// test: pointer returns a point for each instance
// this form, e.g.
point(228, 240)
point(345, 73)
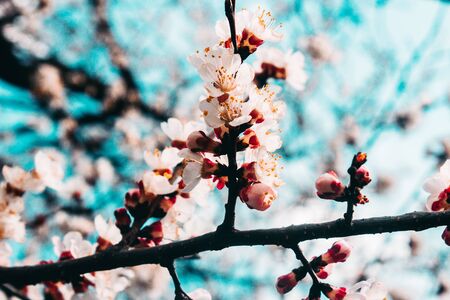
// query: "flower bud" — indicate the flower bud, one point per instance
point(249, 171)
point(258, 196)
point(329, 186)
point(153, 232)
point(339, 252)
point(285, 283)
point(446, 235)
point(198, 141)
point(362, 176)
point(335, 293)
point(123, 220)
point(165, 204)
point(132, 198)
point(209, 168)
point(359, 159)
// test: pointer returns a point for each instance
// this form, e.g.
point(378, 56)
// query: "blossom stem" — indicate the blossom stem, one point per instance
point(179, 293)
point(107, 260)
point(230, 12)
point(233, 189)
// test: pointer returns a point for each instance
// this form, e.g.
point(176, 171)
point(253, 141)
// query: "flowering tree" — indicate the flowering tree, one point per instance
point(231, 147)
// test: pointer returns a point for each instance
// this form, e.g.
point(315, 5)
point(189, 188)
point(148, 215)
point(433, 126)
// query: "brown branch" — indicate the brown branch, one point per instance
point(285, 236)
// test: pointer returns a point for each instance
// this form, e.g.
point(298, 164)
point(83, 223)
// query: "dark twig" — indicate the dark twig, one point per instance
point(11, 292)
point(230, 13)
point(179, 293)
point(300, 256)
point(233, 188)
point(291, 235)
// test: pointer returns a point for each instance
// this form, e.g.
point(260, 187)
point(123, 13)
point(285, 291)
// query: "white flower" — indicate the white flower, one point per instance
point(367, 290)
point(200, 294)
point(222, 71)
point(107, 230)
point(233, 111)
point(49, 166)
point(266, 167)
point(178, 131)
point(11, 227)
point(165, 160)
point(157, 184)
point(73, 242)
point(267, 136)
point(321, 49)
point(10, 203)
point(22, 180)
point(5, 253)
point(439, 188)
point(273, 63)
point(109, 283)
point(74, 187)
point(263, 100)
point(252, 29)
point(105, 170)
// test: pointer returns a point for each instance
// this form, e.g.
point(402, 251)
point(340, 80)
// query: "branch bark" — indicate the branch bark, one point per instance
point(285, 236)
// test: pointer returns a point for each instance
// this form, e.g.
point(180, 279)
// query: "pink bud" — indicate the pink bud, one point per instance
point(258, 196)
point(153, 232)
point(329, 186)
point(198, 141)
point(249, 171)
point(123, 220)
point(209, 168)
point(336, 293)
point(446, 235)
point(285, 283)
point(362, 176)
point(339, 252)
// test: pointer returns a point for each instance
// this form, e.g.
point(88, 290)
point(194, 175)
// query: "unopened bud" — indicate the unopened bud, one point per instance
point(362, 176)
point(339, 252)
point(329, 186)
point(334, 293)
point(153, 232)
point(285, 283)
point(258, 196)
point(123, 220)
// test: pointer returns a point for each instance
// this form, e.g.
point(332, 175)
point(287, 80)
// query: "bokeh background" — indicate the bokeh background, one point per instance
point(95, 78)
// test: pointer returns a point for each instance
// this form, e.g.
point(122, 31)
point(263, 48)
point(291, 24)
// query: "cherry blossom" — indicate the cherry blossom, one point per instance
point(439, 188)
point(367, 290)
point(223, 72)
point(274, 63)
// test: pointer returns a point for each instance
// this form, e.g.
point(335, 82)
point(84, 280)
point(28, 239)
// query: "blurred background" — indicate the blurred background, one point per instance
point(94, 79)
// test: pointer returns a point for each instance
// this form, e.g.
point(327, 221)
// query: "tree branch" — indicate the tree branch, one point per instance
point(416, 221)
point(179, 293)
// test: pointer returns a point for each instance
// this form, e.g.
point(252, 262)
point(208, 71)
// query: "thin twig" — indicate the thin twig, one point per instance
point(11, 292)
point(179, 293)
point(300, 256)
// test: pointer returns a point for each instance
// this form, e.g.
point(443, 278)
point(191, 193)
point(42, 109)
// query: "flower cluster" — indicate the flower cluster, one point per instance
point(321, 265)
point(48, 172)
point(240, 110)
point(329, 186)
point(107, 284)
point(439, 199)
